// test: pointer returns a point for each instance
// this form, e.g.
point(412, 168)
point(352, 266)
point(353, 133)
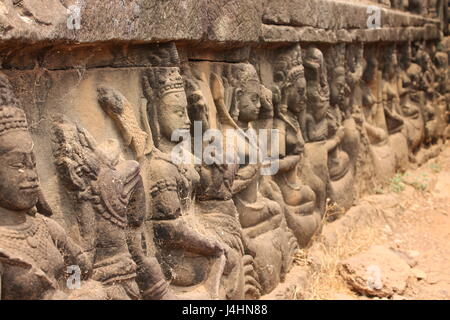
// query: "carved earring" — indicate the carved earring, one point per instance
point(154, 122)
point(276, 95)
point(234, 112)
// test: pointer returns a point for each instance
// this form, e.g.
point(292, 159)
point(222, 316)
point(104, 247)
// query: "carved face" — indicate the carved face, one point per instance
point(296, 95)
point(198, 110)
point(338, 90)
point(19, 185)
point(173, 114)
point(249, 101)
point(314, 64)
point(318, 105)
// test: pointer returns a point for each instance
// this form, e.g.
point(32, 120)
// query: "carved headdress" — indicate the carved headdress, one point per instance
point(162, 79)
point(316, 73)
point(405, 53)
point(165, 80)
point(336, 62)
point(164, 76)
point(227, 83)
point(288, 66)
point(11, 117)
point(237, 78)
point(314, 62)
point(371, 66)
point(389, 58)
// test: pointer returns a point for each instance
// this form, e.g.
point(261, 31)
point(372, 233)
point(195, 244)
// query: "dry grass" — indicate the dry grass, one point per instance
point(324, 263)
point(332, 211)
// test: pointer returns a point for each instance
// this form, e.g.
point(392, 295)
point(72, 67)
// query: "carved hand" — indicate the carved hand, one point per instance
point(340, 133)
point(110, 100)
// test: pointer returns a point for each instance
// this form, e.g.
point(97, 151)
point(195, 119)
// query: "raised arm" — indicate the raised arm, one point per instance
point(245, 177)
point(121, 111)
point(376, 135)
point(150, 277)
point(335, 140)
point(288, 163)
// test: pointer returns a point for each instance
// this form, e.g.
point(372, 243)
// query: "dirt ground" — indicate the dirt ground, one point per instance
point(425, 228)
point(422, 228)
point(419, 224)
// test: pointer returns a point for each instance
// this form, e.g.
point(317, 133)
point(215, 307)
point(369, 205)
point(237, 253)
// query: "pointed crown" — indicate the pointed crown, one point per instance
point(11, 117)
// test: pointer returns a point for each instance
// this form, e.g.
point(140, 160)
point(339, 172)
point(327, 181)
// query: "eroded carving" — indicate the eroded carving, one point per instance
point(108, 193)
point(374, 118)
point(261, 218)
point(303, 208)
point(34, 250)
point(149, 226)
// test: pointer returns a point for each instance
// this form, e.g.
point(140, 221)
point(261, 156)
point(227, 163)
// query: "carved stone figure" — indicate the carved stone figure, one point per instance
point(186, 248)
point(443, 90)
point(442, 74)
point(342, 159)
point(318, 95)
point(136, 160)
point(375, 123)
point(109, 195)
point(316, 125)
point(189, 255)
point(390, 100)
point(354, 66)
point(303, 209)
point(262, 219)
point(34, 250)
point(325, 128)
point(436, 96)
point(214, 206)
point(422, 73)
point(410, 109)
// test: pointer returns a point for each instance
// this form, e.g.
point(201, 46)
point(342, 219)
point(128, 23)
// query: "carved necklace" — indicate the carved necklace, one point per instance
point(290, 185)
point(28, 239)
point(20, 232)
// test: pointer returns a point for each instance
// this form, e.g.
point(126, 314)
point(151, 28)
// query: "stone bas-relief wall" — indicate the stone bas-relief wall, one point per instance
point(87, 180)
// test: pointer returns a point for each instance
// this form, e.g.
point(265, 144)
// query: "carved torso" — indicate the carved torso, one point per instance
point(32, 263)
point(317, 130)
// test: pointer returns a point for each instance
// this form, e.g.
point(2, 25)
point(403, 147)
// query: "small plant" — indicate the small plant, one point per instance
point(420, 183)
point(379, 190)
point(435, 167)
point(419, 186)
point(397, 184)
